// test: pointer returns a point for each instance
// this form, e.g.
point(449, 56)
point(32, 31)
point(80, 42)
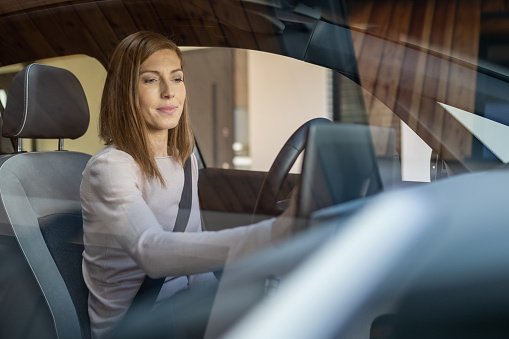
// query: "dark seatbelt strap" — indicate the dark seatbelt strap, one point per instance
point(185, 200)
point(150, 288)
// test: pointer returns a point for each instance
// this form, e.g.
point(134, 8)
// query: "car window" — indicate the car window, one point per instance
point(243, 112)
point(449, 91)
point(245, 104)
point(431, 80)
point(245, 109)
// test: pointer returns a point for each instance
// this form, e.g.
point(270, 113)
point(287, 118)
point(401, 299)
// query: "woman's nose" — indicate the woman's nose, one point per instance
point(167, 91)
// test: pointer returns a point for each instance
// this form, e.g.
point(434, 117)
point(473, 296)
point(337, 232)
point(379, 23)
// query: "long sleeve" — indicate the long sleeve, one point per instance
point(116, 195)
point(128, 222)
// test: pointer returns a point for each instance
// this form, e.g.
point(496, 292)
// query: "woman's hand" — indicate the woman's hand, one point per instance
point(282, 227)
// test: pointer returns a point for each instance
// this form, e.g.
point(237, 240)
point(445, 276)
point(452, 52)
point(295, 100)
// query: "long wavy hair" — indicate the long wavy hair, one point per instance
point(121, 122)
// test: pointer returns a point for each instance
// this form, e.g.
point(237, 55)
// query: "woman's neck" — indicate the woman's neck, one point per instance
point(159, 144)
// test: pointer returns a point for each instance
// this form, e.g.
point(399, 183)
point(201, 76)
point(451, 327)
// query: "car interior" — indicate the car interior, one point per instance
point(42, 208)
point(41, 200)
point(373, 253)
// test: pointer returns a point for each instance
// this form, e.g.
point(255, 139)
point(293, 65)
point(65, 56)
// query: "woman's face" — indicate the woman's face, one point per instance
point(161, 91)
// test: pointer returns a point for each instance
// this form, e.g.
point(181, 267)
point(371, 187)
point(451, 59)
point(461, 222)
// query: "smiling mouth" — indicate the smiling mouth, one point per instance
point(167, 109)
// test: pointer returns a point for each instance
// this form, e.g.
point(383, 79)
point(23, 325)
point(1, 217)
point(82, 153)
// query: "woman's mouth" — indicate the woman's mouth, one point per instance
point(170, 109)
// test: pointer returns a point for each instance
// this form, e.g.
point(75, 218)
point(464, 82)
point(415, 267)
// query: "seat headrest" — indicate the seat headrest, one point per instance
point(45, 102)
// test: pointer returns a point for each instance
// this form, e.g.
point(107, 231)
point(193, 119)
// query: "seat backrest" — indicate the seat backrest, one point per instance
point(39, 191)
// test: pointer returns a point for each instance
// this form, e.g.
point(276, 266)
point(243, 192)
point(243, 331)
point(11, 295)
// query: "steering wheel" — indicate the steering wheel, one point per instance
point(266, 203)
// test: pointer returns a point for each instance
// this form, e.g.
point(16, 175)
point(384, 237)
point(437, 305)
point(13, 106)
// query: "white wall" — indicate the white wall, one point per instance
point(283, 94)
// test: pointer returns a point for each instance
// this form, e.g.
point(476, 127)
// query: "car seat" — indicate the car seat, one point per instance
point(40, 191)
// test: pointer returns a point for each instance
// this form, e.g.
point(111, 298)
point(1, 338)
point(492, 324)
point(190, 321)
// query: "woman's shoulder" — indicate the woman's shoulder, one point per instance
point(110, 152)
point(110, 158)
point(110, 172)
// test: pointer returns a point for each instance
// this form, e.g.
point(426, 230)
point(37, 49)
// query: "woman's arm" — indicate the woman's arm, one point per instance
point(112, 191)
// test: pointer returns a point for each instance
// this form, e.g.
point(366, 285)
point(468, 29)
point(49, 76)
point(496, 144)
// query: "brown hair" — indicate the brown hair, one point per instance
point(121, 122)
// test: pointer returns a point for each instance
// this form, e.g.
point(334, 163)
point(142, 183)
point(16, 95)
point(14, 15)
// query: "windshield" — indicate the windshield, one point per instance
point(421, 85)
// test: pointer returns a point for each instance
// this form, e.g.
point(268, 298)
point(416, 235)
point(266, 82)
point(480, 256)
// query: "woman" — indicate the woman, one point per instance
point(131, 188)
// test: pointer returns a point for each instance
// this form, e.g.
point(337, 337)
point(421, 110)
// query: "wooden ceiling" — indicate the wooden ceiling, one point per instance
point(410, 53)
point(415, 54)
point(36, 29)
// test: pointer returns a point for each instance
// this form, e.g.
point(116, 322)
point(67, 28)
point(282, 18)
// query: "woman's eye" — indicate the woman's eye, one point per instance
point(178, 79)
point(149, 80)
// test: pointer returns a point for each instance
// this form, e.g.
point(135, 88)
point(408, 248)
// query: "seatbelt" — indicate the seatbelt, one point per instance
point(150, 288)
